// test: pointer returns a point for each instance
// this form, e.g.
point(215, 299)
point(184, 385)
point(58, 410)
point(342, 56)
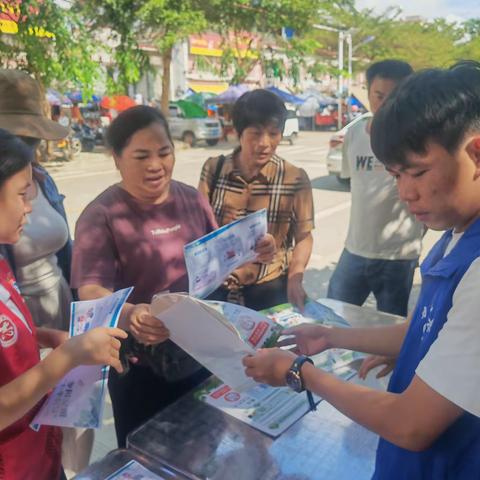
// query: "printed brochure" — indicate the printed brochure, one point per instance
point(211, 258)
point(78, 399)
point(268, 409)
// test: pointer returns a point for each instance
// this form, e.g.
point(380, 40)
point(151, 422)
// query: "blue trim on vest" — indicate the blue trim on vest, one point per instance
point(456, 453)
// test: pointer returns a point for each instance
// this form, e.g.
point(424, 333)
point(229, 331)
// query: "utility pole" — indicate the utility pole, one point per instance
point(349, 80)
point(342, 36)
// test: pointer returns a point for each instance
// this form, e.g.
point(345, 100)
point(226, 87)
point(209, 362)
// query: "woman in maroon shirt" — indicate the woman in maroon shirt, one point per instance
point(133, 234)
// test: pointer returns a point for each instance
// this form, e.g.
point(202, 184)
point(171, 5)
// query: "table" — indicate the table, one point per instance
point(117, 459)
point(204, 443)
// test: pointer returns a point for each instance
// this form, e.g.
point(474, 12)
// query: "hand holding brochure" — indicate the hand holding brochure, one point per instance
point(78, 399)
point(269, 409)
point(206, 335)
point(211, 258)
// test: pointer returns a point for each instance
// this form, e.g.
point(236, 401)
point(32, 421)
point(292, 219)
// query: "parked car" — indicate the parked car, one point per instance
point(190, 130)
point(334, 155)
point(290, 131)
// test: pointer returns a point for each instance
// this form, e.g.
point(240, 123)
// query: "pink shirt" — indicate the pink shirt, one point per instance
point(120, 242)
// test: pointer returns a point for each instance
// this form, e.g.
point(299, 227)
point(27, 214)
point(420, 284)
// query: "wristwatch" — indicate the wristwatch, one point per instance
point(295, 381)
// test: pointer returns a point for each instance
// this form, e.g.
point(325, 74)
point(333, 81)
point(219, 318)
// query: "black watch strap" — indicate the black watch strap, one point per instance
point(297, 367)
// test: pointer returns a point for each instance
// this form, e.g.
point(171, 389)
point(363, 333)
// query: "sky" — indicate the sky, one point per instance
point(453, 10)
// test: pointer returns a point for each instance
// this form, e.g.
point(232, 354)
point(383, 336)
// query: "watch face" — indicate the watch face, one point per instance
point(294, 381)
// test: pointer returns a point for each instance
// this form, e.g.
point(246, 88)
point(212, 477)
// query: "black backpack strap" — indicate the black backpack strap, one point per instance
point(216, 176)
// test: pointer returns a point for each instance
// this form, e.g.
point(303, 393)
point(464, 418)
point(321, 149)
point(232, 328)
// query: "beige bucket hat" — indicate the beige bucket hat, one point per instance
point(21, 103)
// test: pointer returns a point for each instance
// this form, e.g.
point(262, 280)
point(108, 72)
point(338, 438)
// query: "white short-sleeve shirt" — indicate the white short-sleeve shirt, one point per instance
point(381, 226)
point(452, 365)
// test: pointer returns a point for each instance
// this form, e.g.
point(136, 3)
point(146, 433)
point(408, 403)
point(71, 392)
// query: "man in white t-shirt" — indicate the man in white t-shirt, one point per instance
point(427, 134)
point(384, 240)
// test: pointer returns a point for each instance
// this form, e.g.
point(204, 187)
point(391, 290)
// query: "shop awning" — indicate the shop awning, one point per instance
point(215, 88)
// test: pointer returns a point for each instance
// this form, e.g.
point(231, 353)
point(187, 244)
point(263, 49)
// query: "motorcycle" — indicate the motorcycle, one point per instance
point(85, 136)
point(63, 150)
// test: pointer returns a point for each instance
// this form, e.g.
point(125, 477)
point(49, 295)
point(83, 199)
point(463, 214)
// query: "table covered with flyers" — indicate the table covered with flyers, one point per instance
point(216, 433)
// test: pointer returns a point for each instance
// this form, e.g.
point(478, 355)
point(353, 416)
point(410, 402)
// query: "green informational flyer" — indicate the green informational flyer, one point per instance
point(268, 409)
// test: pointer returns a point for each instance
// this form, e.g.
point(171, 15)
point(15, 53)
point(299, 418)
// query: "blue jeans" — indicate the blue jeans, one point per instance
point(390, 281)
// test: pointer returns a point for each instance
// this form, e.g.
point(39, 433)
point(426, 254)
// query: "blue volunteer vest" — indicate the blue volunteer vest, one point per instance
point(455, 454)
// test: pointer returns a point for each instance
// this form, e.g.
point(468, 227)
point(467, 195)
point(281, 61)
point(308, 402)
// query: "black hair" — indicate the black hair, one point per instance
point(131, 121)
point(14, 155)
point(434, 105)
point(258, 108)
point(395, 70)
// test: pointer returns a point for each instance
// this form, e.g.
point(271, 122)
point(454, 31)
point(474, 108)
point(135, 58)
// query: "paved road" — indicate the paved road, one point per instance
point(89, 174)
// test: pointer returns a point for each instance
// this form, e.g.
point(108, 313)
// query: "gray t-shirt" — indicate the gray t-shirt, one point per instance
point(380, 225)
point(44, 234)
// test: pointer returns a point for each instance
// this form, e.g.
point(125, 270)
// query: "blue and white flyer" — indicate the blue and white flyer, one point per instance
point(78, 399)
point(211, 258)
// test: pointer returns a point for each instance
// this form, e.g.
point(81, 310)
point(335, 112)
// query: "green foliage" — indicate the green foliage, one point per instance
point(252, 35)
point(115, 26)
point(51, 43)
point(169, 21)
point(420, 42)
point(62, 45)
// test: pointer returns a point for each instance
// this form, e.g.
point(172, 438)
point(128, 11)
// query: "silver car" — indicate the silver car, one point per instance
point(334, 155)
point(192, 130)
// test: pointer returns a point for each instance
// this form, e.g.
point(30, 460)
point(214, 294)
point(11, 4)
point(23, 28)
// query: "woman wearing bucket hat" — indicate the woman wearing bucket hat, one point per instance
point(41, 258)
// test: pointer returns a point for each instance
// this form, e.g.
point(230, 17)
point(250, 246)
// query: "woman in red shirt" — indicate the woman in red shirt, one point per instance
point(24, 379)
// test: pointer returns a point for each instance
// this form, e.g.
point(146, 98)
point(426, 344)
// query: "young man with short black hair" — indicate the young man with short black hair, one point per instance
point(384, 240)
point(428, 136)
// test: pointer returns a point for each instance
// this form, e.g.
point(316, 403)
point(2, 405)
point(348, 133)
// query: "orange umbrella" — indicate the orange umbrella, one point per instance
point(117, 102)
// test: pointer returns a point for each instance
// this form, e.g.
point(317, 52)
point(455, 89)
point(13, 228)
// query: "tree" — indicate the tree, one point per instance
point(252, 34)
point(423, 43)
point(50, 43)
point(115, 26)
point(166, 23)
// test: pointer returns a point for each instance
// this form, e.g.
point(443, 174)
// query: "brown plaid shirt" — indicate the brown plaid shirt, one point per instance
point(283, 189)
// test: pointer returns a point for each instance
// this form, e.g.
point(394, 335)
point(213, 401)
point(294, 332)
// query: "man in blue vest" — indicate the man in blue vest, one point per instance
point(428, 136)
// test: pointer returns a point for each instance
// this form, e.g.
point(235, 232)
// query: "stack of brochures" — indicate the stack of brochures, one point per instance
point(218, 335)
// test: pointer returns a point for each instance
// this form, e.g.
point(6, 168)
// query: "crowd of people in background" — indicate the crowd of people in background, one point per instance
point(414, 164)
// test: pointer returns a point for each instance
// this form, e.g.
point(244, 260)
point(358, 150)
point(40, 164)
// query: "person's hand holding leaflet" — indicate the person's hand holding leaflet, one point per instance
point(307, 338)
point(266, 249)
point(295, 292)
point(146, 328)
point(99, 346)
point(269, 365)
